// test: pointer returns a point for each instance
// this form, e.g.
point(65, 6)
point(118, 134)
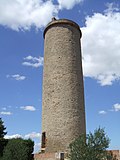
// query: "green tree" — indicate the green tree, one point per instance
point(2, 129)
point(18, 149)
point(3, 141)
point(91, 147)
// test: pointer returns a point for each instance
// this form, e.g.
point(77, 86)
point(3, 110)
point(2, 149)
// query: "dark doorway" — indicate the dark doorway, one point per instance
point(43, 145)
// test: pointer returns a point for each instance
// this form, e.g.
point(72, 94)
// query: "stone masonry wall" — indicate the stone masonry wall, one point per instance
point(51, 156)
point(63, 113)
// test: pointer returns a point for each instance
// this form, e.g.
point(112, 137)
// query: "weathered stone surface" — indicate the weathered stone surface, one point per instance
point(63, 112)
point(51, 156)
point(115, 153)
point(44, 156)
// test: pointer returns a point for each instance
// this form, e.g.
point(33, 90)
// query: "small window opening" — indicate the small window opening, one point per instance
point(61, 156)
point(43, 142)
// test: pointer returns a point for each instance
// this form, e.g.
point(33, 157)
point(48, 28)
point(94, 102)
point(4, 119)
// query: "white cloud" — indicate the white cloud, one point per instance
point(27, 136)
point(116, 107)
point(33, 61)
point(112, 7)
point(37, 147)
point(101, 46)
point(5, 113)
point(68, 4)
point(28, 108)
point(22, 14)
point(16, 77)
point(4, 108)
point(13, 136)
point(33, 135)
point(102, 112)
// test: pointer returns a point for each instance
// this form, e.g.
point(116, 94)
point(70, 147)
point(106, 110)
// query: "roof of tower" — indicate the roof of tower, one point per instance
point(61, 21)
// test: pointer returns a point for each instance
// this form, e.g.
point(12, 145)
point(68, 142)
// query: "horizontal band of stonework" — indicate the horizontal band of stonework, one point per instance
point(62, 22)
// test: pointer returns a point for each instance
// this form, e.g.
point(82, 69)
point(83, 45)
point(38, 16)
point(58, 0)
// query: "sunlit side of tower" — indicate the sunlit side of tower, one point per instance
point(63, 111)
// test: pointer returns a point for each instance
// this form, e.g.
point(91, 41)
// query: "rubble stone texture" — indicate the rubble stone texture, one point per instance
point(63, 112)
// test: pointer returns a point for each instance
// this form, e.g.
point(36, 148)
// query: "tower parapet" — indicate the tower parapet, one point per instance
point(62, 21)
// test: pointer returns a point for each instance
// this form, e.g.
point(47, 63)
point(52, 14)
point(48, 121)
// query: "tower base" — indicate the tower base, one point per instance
point(51, 156)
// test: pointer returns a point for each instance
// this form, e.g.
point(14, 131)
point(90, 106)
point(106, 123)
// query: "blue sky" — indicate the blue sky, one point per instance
point(22, 24)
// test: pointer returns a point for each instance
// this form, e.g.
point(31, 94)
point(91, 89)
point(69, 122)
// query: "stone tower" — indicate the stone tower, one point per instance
point(63, 112)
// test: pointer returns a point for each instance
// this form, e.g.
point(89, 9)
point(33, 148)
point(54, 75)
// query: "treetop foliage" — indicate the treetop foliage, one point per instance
point(91, 147)
point(3, 141)
point(2, 129)
point(18, 149)
point(14, 149)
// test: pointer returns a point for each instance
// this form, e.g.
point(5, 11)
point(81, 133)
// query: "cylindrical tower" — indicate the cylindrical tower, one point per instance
point(63, 112)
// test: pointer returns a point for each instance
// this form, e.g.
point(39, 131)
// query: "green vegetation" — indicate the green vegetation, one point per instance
point(18, 149)
point(2, 129)
point(3, 141)
point(14, 149)
point(91, 147)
